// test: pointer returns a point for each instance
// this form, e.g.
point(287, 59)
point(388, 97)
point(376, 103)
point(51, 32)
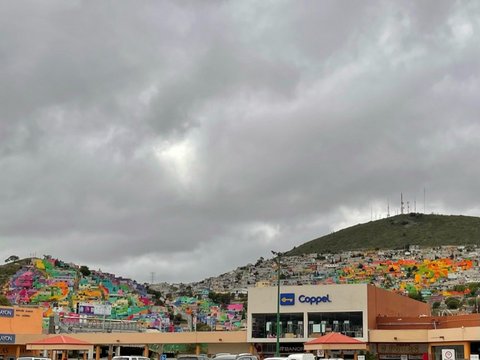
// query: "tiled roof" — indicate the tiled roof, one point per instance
point(334, 338)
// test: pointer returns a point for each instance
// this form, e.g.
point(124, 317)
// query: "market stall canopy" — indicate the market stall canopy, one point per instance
point(335, 341)
point(60, 342)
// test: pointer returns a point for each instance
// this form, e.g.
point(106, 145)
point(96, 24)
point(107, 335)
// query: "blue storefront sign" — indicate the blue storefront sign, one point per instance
point(7, 338)
point(6, 312)
point(287, 299)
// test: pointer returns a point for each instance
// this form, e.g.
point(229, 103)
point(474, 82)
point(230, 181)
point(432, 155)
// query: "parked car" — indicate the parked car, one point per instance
point(192, 357)
point(243, 356)
point(301, 356)
point(128, 357)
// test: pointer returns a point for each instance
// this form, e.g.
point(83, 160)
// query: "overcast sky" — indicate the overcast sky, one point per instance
point(180, 140)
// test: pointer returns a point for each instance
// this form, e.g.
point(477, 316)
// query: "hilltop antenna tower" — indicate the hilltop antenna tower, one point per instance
point(152, 274)
point(388, 208)
point(401, 203)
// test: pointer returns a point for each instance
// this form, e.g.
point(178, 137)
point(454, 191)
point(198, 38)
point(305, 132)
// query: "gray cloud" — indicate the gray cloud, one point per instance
point(189, 138)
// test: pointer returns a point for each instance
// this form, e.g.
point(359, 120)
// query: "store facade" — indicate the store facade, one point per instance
point(310, 311)
point(428, 337)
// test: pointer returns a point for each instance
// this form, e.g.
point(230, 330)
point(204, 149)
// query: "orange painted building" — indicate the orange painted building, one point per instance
point(15, 321)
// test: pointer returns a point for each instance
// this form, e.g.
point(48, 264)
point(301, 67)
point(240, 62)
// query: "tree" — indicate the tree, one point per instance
point(4, 301)
point(157, 296)
point(452, 303)
point(220, 298)
point(85, 270)
point(260, 261)
point(474, 287)
point(416, 295)
point(12, 258)
point(203, 327)
point(177, 319)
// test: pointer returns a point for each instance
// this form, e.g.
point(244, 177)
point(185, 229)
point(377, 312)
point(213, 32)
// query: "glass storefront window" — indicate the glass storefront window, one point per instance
point(347, 323)
point(459, 351)
point(265, 326)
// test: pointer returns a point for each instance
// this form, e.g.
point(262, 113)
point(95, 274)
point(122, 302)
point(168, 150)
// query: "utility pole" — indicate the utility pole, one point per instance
point(278, 261)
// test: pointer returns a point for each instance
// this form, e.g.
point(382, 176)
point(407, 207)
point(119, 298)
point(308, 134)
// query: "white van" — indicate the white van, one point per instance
point(134, 357)
point(301, 356)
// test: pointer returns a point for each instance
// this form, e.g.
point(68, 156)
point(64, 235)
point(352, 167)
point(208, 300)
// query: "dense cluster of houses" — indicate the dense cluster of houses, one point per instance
point(430, 274)
point(77, 299)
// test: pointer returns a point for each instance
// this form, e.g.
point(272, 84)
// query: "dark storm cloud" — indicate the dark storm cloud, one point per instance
point(170, 137)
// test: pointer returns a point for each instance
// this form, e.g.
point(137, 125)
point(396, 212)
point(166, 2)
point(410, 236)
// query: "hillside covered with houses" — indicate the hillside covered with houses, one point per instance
point(447, 277)
point(75, 298)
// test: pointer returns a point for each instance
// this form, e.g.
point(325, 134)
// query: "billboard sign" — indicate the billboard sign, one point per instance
point(105, 309)
point(94, 309)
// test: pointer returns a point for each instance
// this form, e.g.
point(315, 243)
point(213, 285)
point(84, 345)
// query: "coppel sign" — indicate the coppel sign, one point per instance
point(288, 299)
point(314, 300)
point(7, 339)
point(6, 312)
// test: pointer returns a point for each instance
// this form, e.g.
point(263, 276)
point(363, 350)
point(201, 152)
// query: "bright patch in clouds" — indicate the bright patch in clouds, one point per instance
point(178, 159)
point(264, 233)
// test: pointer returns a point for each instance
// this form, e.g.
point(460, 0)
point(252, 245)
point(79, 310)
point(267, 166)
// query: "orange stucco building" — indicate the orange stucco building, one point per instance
point(15, 322)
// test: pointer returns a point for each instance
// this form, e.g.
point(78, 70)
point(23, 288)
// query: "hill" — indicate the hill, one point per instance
point(398, 232)
point(8, 270)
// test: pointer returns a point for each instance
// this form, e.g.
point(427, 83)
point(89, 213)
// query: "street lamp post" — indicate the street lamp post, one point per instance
point(277, 260)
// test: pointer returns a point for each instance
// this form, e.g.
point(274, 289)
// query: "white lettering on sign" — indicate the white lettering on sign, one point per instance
point(4, 312)
point(7, 338)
